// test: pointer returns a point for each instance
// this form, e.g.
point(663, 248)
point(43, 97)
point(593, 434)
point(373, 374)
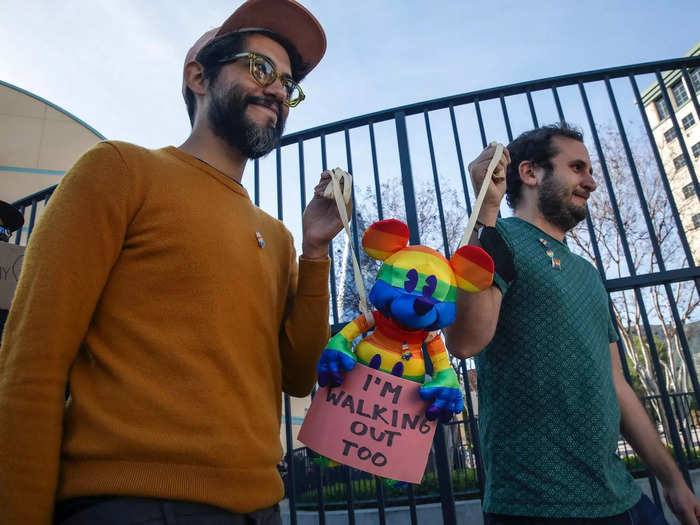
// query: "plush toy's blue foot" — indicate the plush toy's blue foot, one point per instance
point(446, 397)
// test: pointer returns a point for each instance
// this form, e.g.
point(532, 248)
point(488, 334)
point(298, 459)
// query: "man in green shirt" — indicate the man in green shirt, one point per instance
point(552, 396)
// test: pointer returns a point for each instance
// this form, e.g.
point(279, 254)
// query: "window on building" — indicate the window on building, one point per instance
point(670, 135)
point(679, 93)
point(696, 220)
point(688, 121)
point(695, 79)
point(661, 108)
point(696, 150)
point(679, 162)
point(688, 190)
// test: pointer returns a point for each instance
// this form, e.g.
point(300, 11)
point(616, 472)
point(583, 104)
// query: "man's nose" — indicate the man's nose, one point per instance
point(276, 89)
point(589, 183)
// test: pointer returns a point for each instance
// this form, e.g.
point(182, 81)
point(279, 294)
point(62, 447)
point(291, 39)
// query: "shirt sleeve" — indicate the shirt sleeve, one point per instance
point(305, 327)
point(76, 241)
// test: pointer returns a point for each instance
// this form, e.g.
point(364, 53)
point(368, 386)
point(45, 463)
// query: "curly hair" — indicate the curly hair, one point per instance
point(535, 146)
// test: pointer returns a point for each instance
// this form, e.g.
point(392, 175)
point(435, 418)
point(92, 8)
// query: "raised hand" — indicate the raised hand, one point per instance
point(321, 221)
point(497, 186)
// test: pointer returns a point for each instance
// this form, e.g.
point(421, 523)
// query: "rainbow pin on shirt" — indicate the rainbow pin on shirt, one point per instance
point(261, 241)
point(556, 263)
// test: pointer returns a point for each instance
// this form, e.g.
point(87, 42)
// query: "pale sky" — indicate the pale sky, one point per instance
point(117, 64)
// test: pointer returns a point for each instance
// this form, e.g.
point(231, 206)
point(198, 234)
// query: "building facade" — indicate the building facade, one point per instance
point(669, 140)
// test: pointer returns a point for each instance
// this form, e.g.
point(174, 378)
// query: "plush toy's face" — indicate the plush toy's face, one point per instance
point(416, 286)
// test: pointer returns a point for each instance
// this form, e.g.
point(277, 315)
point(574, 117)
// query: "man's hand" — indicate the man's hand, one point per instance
point(321, 221)
point(683, 503)
point(497, 186)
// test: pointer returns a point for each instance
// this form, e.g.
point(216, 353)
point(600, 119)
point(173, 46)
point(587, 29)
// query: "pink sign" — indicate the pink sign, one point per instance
point(373, 422)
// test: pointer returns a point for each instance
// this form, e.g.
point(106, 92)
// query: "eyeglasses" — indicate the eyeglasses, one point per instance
point(264, 72)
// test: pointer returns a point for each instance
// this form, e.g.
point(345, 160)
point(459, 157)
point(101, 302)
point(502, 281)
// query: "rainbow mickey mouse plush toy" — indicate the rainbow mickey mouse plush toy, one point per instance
point(414, 296)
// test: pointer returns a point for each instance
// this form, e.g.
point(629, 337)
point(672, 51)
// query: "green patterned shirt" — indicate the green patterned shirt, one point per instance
point(549, 419)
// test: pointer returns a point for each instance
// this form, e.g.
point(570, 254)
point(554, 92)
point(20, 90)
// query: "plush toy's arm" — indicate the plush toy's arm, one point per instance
point(443, 389)
point(338, 354)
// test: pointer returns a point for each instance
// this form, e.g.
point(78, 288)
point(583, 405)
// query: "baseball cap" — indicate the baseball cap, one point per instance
point(287, 18)
point(12, 219)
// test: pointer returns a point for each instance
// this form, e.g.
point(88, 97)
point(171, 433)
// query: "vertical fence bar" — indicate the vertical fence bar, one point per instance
point(291, 471)
point(350, 495)
point(407, 177)
point(680, 456)
point(302, 176)
point(375, 168)
point(679, 134)
point(279, 182)
point(654, 240)
point(348, 153)
point(436, 181)
point(480, 121)
point(557, 103)
point(18, 233)
point(533, 114)
point(381, 505)
point(447, 498)
point(32, 218)
point(320, 495)
point(334, 291)
point(412, 505)
point(460, 160)
point(472, 429)
point(256, 179)
point(504, 109)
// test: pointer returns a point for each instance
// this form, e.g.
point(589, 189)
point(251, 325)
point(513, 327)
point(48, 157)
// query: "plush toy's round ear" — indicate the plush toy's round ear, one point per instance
point(473, 268)
point(384, 238)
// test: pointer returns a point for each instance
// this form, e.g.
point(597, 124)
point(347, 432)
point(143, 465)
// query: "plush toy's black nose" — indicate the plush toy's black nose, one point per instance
point(422, 305)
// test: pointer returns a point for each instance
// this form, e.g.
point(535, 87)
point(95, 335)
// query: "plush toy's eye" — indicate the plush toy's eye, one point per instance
point(430, 284)
point(411, 280)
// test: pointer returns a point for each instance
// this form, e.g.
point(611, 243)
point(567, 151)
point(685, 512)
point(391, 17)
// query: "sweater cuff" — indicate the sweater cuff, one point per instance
point(313, 277)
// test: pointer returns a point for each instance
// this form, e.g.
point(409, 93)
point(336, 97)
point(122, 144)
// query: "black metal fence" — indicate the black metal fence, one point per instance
point(409, 162)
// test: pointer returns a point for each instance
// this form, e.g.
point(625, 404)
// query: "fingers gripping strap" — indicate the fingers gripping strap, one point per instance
point(342, 198)
point(482, 194)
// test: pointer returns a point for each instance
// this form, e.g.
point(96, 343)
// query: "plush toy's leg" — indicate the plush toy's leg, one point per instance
point(393, 483)
point(323, 461)
point(375, 362)
point(397, 370)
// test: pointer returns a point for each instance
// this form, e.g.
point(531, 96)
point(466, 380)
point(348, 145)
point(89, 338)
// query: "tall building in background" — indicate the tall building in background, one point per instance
point(669, 141)
point(39, 141)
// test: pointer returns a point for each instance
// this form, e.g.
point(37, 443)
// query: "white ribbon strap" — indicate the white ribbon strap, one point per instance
point(482, 193)
point(342, 198)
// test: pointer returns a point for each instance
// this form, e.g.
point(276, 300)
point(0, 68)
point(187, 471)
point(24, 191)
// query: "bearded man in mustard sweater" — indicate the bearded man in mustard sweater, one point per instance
point(173, 307)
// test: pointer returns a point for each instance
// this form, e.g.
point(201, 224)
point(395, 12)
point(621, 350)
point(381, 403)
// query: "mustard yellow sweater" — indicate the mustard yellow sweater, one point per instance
point(144, 284)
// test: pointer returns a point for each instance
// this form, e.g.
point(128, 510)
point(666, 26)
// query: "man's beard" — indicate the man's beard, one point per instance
point(554, 202)
point(228, 120)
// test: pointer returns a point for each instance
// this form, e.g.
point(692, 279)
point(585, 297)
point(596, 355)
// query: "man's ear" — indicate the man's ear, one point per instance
point(194, 78)
point(526, 170)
